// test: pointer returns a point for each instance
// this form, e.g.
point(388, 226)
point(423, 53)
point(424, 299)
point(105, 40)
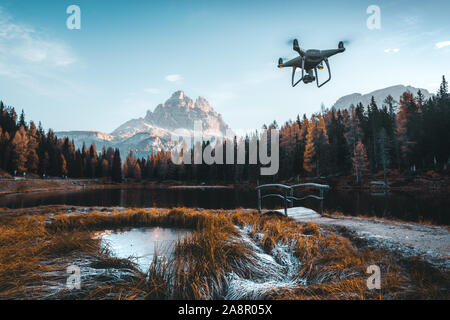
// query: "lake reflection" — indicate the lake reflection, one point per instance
point(141, 244)
point(409, 206)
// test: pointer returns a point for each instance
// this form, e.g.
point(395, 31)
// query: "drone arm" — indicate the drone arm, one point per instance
point(332, 52)
point(317, 74)
point(298, 49)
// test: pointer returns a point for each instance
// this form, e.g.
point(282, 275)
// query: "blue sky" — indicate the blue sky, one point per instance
point(131, 55)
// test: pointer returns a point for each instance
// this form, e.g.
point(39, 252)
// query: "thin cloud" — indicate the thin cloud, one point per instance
point(442, 44)
point(23, 44)
point(393, 50)
point(33, 60)
point(152, 90)
point(174, 77)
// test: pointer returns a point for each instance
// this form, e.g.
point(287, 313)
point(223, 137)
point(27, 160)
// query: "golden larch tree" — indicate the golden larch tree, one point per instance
point(309, 157)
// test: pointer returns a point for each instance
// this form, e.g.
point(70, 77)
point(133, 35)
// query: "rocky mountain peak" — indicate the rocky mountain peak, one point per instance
point(177, 100)
point(177, 95)
point(180, 111)
point(203, 104)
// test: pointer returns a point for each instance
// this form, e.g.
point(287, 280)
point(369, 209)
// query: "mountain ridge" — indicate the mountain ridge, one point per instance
point(396, 91)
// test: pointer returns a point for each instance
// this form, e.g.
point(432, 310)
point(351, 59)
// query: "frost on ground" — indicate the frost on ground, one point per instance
point(432, 243)
point(271, 271)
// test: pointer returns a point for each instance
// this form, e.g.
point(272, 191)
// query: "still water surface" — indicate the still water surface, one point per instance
point(142, 244)
point(409, 206)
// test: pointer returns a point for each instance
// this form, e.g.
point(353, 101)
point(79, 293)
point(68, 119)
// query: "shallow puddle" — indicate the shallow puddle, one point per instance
point(141, 244)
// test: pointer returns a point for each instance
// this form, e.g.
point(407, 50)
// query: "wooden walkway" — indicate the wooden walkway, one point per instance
point(300, 213)
point(288, 198)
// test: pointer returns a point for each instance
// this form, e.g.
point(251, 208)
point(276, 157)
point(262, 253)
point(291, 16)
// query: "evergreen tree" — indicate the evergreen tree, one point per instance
point(117, 167)
point(443, 89)
point(22, 122)
point(407, 127)
point(360, 162)
point(384, 152)
point(321, 146)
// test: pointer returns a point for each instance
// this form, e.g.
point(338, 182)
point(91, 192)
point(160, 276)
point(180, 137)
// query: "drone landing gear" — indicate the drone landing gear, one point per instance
point(293, 74)
point(309, 76)
point(317, 74)
point(306, 78)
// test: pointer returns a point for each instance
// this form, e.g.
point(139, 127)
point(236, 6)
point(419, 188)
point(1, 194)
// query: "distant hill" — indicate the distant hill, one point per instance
point(153, 132)
point(395, 91)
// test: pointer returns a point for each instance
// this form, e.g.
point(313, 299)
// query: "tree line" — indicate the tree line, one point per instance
point(25, 149)
point(411, 135)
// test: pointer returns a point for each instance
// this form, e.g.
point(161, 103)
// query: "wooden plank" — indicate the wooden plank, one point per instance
point(300, 213)
point(315, 185)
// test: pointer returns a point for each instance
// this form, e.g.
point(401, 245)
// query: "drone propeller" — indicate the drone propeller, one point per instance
point(293, 43)
point(280, 62)
point(290, 41)
point(345, 43)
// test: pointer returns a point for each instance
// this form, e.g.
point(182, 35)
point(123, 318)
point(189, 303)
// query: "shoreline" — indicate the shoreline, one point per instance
point(398, 184)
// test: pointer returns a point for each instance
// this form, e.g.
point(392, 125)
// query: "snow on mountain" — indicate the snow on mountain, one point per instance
point(154, 131)
point(395, 91)
point(100, 139)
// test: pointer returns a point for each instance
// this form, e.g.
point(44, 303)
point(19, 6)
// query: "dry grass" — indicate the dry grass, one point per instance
point(34, 251)
point(24, 246)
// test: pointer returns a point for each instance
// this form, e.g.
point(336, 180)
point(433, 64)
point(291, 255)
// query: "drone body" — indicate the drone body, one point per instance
point(309, 61)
